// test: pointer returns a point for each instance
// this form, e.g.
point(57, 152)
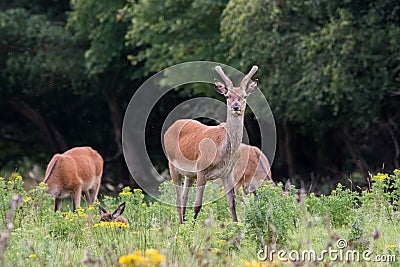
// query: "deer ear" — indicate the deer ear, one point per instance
point(252, 87)
point(220, 87)
point(119, 211)
point(102, 210)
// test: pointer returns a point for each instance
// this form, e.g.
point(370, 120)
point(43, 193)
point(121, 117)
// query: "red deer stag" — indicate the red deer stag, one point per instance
point(73, 172)
point(201, 153)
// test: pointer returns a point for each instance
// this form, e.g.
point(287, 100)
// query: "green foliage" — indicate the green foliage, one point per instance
point(384, 194)
point(322, 64)
point(155, 236)
point(272, 216)
point(338, 206)
point(171, 32)
point(36, 56)
point(100, 28)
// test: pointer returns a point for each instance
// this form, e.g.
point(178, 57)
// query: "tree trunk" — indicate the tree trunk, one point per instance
point(290, 161)
point(116, 118)
point(48, 131)
point(392, 127)
point(355, 153)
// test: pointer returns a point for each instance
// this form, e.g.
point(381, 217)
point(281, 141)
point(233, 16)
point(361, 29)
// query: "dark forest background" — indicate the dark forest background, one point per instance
point(329, 69)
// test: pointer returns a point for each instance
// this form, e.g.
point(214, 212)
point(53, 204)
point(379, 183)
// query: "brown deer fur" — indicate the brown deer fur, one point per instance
point(202, 153)
point(73, 172)
point(252, 167)
point(113, 217)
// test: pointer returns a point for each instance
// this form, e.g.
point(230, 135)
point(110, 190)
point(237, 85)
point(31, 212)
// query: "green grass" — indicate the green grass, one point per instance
point(33, 235)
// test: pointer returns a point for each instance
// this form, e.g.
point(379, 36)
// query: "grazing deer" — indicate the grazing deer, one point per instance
point(113, 217)
point(252, 167)
point(201, 153)
point(73, 172)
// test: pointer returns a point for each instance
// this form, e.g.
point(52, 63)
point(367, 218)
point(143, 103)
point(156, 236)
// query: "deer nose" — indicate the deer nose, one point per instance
point(236, 107)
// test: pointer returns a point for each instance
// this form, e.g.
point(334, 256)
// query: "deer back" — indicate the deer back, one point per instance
point(251, 168)
point(79, 167)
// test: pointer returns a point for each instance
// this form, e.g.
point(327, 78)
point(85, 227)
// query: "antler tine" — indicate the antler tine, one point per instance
point(247, 78)
point(221, 73)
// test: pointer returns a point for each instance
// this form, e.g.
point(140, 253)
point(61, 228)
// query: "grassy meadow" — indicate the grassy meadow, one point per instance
point(367, 223)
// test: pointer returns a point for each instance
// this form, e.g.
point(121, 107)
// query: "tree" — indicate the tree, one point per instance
point(171, 32)
point(327, 67)
point(99, 29)
point(36, 58)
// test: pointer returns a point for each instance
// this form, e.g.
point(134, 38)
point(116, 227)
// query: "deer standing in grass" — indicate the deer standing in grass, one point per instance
point(201, 153)
point(252, 167)
point(73, 172)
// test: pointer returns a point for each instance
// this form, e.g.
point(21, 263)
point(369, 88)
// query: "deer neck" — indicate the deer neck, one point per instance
point(234, 128)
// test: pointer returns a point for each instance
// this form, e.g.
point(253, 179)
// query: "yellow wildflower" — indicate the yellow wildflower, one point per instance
point(137, 190)
point(32, 256)
point(111, 225)
point(135, 259)
point(151, 258)
point(333, 191)
point(135, 233)
point(19, 177)
point(221, 242)
point(391, 246)
point(26, 199)
point(154, 256)
point(125, 193)
point(144, 204)
point(396, 171)
point(126, 188)
point(217, 251)
point(380, 176)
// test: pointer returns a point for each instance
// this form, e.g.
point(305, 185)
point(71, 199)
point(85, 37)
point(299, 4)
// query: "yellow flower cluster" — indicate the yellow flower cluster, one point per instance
point(396, 171)
point(151, 258)
point(111, 225)
point(125, 193)
point(70, 216)
point(391, 246)
point(15, 176)
point(380, 176)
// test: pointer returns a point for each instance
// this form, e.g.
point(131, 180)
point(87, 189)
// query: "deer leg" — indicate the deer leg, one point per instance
point(201, 182)
point(93, 192)
point(76, 198)
point(57, 204)
point(230, 196)
point(176, 178)
point(185, 193)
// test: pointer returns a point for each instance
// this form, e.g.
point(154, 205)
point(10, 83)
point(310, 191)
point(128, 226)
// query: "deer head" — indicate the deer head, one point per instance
point(236, 96)
point(113, 217)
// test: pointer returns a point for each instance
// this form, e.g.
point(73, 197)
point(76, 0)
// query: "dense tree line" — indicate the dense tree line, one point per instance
point(329, 69)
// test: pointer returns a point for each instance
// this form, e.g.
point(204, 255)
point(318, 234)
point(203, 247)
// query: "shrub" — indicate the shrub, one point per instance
point(271, 216)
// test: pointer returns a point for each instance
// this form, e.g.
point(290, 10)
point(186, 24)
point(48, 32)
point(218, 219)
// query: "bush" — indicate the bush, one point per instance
point(272, 216)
